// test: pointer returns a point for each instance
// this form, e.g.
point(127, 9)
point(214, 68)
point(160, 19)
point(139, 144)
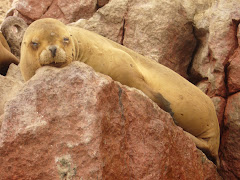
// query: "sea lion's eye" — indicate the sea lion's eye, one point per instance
point(34, 45)
point(66, 40)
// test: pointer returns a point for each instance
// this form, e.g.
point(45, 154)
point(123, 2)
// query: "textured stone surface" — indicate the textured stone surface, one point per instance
point(216, 68)
point(4, 6)
point(66, 11)
point(8, 88)
point(73, 123)
point(161, 31)
point(108, 21)
point(101, 3)
point(234, 73)
point(216, 30)
point(231, 139)
point(14, 72)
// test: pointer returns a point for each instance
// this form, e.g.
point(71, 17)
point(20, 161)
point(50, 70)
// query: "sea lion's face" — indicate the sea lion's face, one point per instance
point(49, 44)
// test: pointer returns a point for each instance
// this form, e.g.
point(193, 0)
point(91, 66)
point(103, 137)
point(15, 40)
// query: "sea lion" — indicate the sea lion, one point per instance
point(6, 57)
point(48, 42)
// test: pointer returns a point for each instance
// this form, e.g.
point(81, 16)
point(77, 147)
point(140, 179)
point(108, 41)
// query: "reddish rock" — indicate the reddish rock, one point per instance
point(108, 21)
point(234, 73)
point(66, 11)
point(73, 123)
point(230, 146)
point(234, 69)
point(219, 104)
point(162, 31)
point(214, 85)
point(102, 3)
point(216, 30)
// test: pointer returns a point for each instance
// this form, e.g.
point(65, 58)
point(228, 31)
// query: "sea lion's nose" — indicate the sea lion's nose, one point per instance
point(53, 50)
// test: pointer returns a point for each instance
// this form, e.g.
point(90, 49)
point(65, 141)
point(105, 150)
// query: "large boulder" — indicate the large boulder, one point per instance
point(162, 31)
point(74, 123)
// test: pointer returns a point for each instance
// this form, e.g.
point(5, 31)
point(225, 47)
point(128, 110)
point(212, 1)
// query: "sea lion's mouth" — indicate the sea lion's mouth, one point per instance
point(56, 64)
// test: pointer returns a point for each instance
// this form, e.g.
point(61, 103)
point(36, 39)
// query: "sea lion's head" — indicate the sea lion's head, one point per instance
point(46, 42)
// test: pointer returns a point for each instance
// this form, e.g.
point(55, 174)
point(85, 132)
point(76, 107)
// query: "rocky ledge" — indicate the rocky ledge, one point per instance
point(74, 123)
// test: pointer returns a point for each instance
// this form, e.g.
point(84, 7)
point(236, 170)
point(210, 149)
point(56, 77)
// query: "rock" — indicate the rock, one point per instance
point(214, 85)
point(108, 21)
point(102, 3)
point(1, 119)
point(4, 6)
point(215, 68)
point(234, 73)
point(215, 29)
point(74, 123)
point(230, 150)
point(66, 11)
point(8, 88)
point(13, 29)
point(14, 72)
point(161, 31)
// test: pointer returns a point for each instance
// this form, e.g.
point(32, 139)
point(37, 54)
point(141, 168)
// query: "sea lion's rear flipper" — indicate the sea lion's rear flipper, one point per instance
point(204, 146)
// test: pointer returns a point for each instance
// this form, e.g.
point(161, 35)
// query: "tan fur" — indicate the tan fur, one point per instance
point(6, 57)
point(190, 107)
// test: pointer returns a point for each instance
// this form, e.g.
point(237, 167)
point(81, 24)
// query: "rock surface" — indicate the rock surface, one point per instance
point(9, 86)
point(161, 31)
point(73, 123)
point(4, 6)
point(215, 65)
point(231, 139)
point(234, 71)
point(101, 3)
point(66, 11)
point(216, 32)
point(108, 21)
